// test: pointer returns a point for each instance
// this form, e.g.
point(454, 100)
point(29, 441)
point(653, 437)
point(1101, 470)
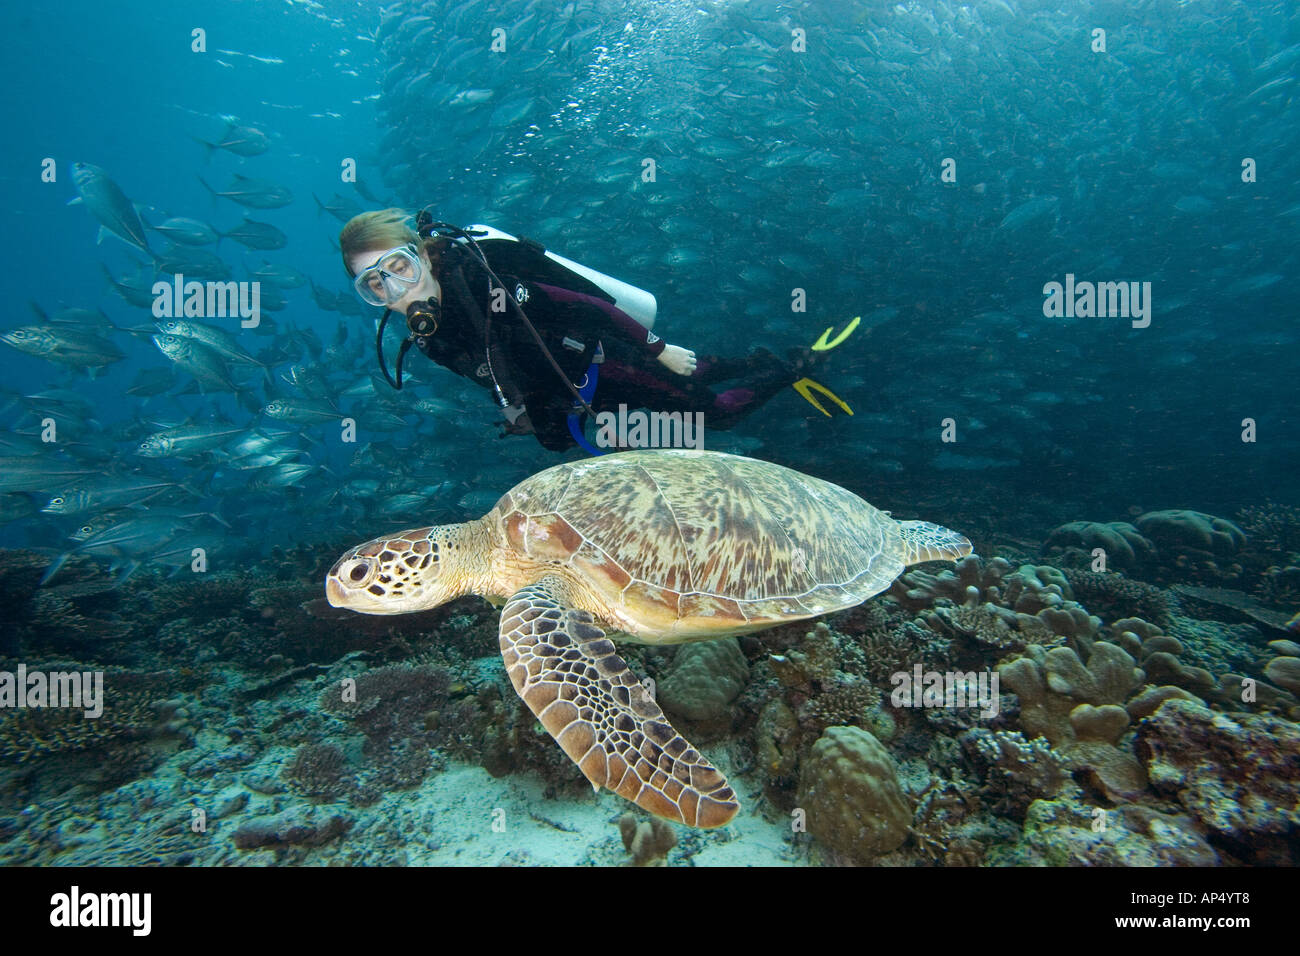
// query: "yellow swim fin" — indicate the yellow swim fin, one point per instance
point(823, 345)
point(806, 386)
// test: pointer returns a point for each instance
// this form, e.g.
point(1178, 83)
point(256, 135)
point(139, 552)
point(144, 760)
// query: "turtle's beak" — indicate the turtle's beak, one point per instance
point(335, 593)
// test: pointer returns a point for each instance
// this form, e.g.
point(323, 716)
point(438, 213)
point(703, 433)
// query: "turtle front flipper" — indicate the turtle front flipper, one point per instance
point(570, 676)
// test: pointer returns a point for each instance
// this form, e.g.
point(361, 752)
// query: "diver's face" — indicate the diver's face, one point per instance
point(425, 288)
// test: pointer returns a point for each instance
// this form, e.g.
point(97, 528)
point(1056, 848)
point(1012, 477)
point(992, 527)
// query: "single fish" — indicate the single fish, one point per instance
point(61, 403)
point(188, 441)
point(152, 381)
point(194, 263)
point(74, 320)
point(95, 524)
point(110, 207)
point(187, 232)
point(281, 276)
point(253, 193)
point(340, 207)
point(300, 412)
point(137, 290)
point(203, 363)
point(39, 472)
point(1028, 212)
point(74, 348)
point(324, 298)
point(257, 235)
point(283, 475)
point(100, 493)
point(238, 139)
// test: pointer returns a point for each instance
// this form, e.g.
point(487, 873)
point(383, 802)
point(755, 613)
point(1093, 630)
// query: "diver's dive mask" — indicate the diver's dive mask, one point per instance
point(391, 276)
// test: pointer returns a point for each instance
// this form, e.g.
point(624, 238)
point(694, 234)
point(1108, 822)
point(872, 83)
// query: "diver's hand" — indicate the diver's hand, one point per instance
point(678, 359)
point(517, 422)
point(520, 426)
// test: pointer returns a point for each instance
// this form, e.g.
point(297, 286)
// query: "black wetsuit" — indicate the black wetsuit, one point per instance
point(573, 316)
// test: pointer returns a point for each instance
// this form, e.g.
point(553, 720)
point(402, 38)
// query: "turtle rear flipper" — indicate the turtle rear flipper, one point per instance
point(924, 541)
point(570, 676)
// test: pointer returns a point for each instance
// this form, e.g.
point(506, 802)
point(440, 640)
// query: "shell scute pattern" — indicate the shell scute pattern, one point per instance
point(707, 535)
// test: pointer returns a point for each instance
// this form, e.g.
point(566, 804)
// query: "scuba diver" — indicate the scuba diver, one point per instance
point(554, 341)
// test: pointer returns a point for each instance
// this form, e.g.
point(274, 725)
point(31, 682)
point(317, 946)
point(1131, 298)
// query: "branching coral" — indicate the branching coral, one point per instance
point(131, 711)
point(390, 702)
point(1114, 595)
point(317, 770)
point(1274, 528)
point(1015, 771)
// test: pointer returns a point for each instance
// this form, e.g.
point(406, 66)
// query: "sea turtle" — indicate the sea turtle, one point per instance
point(664, 547)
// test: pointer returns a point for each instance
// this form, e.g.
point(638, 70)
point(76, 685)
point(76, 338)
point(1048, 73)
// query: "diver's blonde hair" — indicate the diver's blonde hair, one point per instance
point(377, 231)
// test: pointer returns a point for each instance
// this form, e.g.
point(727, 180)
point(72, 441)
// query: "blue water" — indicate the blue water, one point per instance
point(776, 170)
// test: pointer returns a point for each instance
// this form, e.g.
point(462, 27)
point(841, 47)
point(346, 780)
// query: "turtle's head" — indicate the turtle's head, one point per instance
point(397, 574)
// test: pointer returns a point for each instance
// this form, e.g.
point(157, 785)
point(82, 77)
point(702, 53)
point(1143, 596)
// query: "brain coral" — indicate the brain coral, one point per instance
point(851, 794)
point(704, 678)
point(1176, 530)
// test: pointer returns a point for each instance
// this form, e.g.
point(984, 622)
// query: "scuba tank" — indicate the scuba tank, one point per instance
point(638, 303)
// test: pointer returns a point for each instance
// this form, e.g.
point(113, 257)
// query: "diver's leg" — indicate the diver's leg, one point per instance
point(767, 376)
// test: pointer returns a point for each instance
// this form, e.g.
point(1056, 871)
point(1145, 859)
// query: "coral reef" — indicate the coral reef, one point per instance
point(298, 827)
point(1124, 545)
point(1279, 584)
point(77, 615)
point(1284, 671)
point(135, 708)
point(1230, 605)
point(888, 650)
point(849, 790)
point(813, 695)
point(1079, 709)
point(1095, 668)
point(318, 771)
point(389, 702)
point(646, 839)
point(1179, 531)
point(948, 828)
point(916, 590)
point(1015, 771)
point(1067, 832)
point(1034, 604)
point(1114, 595)
point(392, 707)
point(777, 741)
point(1238, 776)
point(704, 679)
point(1195, 546)
point(813, 664)
point(1273, 528)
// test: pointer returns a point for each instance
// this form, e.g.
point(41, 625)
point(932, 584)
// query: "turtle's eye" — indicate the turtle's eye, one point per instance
point(357, 572)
